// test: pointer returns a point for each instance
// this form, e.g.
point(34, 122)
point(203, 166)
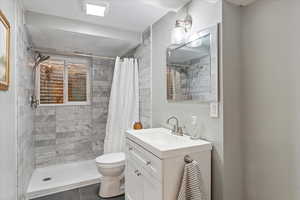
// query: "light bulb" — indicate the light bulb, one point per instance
point(178, 35)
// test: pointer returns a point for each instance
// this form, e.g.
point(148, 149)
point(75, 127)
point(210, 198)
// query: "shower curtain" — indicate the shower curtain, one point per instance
point(123, 104)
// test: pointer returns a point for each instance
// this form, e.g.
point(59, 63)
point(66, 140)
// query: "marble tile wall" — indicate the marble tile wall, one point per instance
point(25, 114)
point(143, 53)
point(73, 133)
point(196, 82)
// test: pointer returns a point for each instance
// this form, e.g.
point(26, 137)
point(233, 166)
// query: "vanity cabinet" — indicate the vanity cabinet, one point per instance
point(153, 176)
point(139, 183)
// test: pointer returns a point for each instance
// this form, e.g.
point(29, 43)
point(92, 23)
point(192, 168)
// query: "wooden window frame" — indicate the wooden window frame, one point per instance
point(67, 61)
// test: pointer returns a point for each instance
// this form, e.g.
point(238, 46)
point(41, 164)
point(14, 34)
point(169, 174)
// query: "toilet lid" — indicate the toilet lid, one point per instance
point(111, 158)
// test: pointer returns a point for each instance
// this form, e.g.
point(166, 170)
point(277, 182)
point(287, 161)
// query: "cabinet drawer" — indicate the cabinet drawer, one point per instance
point(152, 164)
point(129, 147)
point(144, 159)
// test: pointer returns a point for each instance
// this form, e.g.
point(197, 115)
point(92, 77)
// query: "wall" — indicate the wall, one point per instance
point(143, 54)
point(72, 133)
point(204, 14)
point(8, 140)
point(271, 113)
point(231, 54)
point(25, 114)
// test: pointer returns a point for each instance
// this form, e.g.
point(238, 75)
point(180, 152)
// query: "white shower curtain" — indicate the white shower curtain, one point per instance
point(123, 104)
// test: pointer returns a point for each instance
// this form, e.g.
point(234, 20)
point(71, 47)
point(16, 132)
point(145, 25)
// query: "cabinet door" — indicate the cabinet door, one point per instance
point(133, 182)
point(152, 188)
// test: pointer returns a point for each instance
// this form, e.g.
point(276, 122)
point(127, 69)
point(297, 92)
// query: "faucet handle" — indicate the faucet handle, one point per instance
point(174, 129)
point(180, 131)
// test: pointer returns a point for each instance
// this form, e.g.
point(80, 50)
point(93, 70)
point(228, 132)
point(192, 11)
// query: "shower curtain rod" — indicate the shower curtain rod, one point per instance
point(65, 53)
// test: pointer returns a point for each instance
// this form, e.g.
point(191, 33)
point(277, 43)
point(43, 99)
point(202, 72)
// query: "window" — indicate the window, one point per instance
point(63, 82)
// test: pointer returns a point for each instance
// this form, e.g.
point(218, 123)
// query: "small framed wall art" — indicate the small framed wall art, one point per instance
point(4, 52)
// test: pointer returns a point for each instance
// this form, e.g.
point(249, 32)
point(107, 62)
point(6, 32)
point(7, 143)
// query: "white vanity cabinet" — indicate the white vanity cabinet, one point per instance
point(154, 170)
point(139, 183)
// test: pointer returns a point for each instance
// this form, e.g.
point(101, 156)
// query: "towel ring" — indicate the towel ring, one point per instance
point(188, 159)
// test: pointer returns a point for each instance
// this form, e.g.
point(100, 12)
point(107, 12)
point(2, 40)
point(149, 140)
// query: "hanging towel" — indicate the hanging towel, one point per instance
point(192, 186)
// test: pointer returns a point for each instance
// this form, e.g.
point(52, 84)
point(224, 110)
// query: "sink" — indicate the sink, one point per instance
point(163, 144)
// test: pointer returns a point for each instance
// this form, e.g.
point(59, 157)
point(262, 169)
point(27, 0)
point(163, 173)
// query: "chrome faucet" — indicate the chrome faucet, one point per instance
point(176, 129)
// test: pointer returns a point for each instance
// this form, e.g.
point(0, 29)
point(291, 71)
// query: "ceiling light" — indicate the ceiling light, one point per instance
point(95, 7)
point(182, 30)
point(95, 10)
point(178, 34)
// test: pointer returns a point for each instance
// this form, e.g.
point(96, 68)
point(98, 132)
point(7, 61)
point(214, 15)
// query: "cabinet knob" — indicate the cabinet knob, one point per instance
point(130, 148)
point(137, 172)
point(148, 163)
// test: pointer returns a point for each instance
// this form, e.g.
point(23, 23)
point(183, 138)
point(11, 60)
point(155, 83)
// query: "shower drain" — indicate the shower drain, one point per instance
point(47, 179)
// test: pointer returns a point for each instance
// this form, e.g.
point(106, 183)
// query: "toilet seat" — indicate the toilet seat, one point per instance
point(111, 159)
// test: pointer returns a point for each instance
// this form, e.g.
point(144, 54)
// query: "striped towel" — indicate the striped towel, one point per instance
point(192, 186)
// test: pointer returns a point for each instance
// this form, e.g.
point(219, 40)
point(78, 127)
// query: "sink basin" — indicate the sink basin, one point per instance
point(162, 143)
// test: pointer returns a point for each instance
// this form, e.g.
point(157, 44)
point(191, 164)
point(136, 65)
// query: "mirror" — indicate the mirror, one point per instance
point(192, 68)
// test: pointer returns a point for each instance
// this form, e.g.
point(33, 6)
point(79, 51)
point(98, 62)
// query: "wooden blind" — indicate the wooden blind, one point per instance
point(77, 82)
point(57, 77)
point(52, 82)
point(170, 88)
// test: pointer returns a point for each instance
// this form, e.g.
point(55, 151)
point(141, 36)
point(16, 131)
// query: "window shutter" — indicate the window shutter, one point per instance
point(77, 82)
point(52, 82)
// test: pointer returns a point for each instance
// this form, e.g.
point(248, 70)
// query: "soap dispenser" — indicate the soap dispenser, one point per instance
point(196, 128)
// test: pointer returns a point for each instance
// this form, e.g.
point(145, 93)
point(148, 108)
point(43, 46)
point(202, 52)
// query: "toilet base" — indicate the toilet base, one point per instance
point(110, 187)
point(121, 195)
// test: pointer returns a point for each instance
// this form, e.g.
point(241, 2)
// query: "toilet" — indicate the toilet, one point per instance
point(111, 166)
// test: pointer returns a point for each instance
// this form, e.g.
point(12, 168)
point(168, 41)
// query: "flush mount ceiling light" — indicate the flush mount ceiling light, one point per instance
point(95, 7)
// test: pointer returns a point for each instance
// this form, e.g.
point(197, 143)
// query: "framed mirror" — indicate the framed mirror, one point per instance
point(192, 68)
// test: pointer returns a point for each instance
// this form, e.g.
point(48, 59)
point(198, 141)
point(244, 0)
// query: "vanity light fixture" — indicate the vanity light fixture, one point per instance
point(178, 33)
point(182, 29)
point(95, 7)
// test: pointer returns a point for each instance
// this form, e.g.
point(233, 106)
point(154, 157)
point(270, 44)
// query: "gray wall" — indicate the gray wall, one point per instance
point(204, 14)
point(271, 96)
point(143, 54)
point(8, 117)
point(25, 114)
point(73, 133)
point(233, 150)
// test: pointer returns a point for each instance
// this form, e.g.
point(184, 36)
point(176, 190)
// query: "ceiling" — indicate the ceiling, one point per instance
point(63, 25)
point(133, 15)
point(43, 38)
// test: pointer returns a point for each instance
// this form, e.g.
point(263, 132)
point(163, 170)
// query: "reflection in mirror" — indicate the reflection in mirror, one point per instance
point(192, 69)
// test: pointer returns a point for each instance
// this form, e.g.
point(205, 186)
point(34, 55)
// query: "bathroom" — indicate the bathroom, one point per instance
point(241, 129)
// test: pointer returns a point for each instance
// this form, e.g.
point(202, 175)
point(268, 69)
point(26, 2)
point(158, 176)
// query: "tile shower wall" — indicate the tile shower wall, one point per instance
point(25, 114)
point(72, 133)
point(196, 81)
point(143, 53)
